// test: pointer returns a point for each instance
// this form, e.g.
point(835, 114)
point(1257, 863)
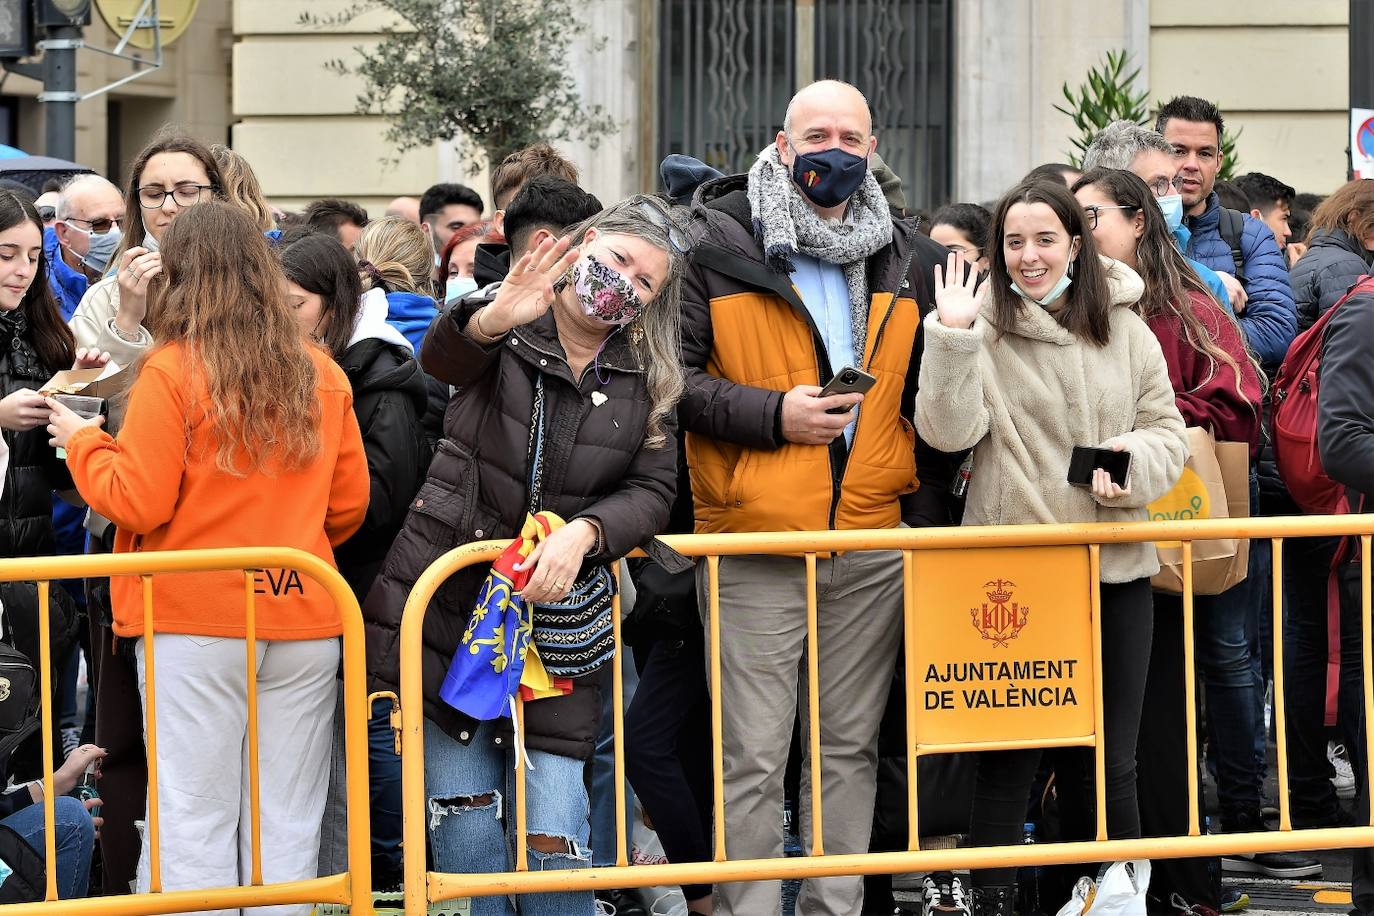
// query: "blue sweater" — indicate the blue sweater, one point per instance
point(1270, 319)
point(1205, 273)
point(68, 286)
point(411, 314)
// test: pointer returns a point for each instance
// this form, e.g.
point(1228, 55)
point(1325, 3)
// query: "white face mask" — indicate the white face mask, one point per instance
point(458, 287)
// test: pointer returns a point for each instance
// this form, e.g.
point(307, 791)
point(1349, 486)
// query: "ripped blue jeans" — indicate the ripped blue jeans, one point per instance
point(468, 834)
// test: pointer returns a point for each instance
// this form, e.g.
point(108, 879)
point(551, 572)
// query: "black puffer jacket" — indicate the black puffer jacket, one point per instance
point(389, 399)
point(35, 470)
point(26, 517)
point(595, 466)
point(1335, 259)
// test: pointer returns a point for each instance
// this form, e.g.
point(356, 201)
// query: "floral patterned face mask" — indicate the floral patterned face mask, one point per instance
point(606, 296)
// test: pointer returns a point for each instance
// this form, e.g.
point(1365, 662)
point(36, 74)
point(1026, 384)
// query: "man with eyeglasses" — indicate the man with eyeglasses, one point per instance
point(800, 276)
point(82, 240)
point(1127, 146)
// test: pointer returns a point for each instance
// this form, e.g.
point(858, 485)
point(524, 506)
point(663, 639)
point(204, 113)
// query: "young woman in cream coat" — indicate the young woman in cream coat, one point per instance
point(1054, 357)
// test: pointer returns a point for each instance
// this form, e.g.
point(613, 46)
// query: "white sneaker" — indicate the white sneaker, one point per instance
point(1344, 780)
point(943, 893)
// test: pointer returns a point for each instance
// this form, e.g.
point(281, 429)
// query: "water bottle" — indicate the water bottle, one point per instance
point(958, 487)
point(86, 790)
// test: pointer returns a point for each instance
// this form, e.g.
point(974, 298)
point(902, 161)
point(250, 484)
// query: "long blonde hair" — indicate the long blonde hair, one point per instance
point(225, 302)
point(659, 347)
point(241, 186)
point(395, 255)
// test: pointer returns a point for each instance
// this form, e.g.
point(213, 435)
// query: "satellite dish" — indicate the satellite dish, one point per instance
point(173, 16)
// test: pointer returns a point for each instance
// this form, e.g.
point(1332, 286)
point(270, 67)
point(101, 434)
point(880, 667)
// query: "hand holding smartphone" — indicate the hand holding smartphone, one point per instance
point(1085, 460)
point(848, 381)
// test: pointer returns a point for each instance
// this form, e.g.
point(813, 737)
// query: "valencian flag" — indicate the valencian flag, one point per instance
point(497, 655)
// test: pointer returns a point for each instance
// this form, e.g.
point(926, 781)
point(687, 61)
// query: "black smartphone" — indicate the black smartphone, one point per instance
point(848, 381)
point(1086, 460)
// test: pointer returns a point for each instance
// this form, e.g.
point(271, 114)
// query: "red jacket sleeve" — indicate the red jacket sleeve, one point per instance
point(1205, 390)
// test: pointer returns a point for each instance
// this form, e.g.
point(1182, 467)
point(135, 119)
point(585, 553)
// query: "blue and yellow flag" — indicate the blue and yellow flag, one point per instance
point(496, 656)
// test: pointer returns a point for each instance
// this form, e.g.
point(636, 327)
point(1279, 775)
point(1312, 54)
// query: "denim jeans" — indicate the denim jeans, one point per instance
point(75, 835)
point(603, 771)
point(1222, 628)
point(468, 838)
point(384, 783)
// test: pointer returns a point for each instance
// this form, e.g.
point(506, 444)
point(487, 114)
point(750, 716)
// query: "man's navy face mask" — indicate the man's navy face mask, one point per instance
point(829, 177)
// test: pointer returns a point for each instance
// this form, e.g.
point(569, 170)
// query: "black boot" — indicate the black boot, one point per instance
point(994, 901)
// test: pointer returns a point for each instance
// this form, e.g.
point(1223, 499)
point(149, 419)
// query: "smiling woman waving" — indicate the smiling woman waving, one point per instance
point(1056, 359)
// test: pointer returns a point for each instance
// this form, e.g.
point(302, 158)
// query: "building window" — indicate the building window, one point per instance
point(727, 69)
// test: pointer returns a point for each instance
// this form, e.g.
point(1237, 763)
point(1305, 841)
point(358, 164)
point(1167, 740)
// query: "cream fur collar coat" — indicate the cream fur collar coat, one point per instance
point(1024, 400)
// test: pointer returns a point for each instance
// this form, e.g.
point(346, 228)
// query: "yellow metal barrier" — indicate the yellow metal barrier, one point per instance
point(354, 887)
point(422, 887)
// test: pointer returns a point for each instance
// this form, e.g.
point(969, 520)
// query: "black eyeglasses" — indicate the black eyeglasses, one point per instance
point(1163, 187)
point(655, 212)
point(98, 226)
point(186, 195)
point(47, 214)
point(1094, 210)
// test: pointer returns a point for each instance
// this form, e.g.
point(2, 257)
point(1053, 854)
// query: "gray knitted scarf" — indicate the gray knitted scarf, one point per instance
point(785, 224)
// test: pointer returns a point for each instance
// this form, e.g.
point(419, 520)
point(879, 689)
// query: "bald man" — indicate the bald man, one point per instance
point(405, 208)
point(84, 237)
point(801, 278)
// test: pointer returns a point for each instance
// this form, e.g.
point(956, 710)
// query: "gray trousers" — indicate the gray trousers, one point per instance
point(763, 678)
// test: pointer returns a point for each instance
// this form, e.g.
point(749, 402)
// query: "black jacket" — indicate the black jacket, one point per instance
point(1345, 407)
point(389, 400)
point(1335, 259)
point(35, 470)
point(595, 466)
point(26, 517)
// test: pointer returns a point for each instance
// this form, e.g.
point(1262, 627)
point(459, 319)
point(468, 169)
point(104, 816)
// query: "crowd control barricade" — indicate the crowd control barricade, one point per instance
point(352, 888)
point(971, 595)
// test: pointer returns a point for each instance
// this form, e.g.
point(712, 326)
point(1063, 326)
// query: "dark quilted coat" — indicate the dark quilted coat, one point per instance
point(595, 465)
point(1334, 261)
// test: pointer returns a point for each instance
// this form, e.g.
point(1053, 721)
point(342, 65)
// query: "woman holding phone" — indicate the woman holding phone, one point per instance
point(1054, 358)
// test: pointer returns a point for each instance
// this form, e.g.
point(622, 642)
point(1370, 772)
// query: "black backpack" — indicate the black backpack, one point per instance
point(1232, 226)
point(19, 718)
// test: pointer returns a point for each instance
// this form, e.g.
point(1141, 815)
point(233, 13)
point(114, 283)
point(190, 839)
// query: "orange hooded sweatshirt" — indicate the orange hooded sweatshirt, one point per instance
point(159, 484)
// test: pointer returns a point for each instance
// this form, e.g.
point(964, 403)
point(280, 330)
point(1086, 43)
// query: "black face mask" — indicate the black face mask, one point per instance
point(828, 177)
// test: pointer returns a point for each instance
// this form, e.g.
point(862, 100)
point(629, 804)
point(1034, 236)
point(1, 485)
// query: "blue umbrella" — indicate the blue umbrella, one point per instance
point(10, 152)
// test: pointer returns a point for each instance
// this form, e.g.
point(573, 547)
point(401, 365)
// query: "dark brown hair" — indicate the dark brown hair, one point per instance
point(1168, 277)
point(163, 143)
point(225, 303)
point(1087, 301)
point(51, 338)
point(1350, 207)
point(318, 263)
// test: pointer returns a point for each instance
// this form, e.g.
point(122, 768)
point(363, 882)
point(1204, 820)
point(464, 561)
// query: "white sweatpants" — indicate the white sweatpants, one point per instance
point(202, 759)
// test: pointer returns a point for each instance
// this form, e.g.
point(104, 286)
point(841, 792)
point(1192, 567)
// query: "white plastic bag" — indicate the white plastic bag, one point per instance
point(647, 849)
point(1121, 892)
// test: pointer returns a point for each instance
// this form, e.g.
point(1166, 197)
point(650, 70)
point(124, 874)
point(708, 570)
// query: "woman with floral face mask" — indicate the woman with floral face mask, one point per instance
point(568, 377)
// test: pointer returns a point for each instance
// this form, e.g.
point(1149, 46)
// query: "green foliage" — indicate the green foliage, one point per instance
point(1230, 161)
point(490, 75)
point(1108, 95)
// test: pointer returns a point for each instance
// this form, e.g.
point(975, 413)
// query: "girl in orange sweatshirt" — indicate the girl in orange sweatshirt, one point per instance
point(237, 434)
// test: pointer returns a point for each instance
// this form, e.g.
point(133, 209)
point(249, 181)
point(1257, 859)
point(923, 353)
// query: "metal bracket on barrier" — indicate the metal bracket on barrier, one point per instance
point(394, 717)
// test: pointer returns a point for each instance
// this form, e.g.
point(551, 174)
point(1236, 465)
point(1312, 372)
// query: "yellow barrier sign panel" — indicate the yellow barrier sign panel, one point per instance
point(1004, 645)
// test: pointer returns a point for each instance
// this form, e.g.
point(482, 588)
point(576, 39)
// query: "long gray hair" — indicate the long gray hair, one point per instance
point(659, 347)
